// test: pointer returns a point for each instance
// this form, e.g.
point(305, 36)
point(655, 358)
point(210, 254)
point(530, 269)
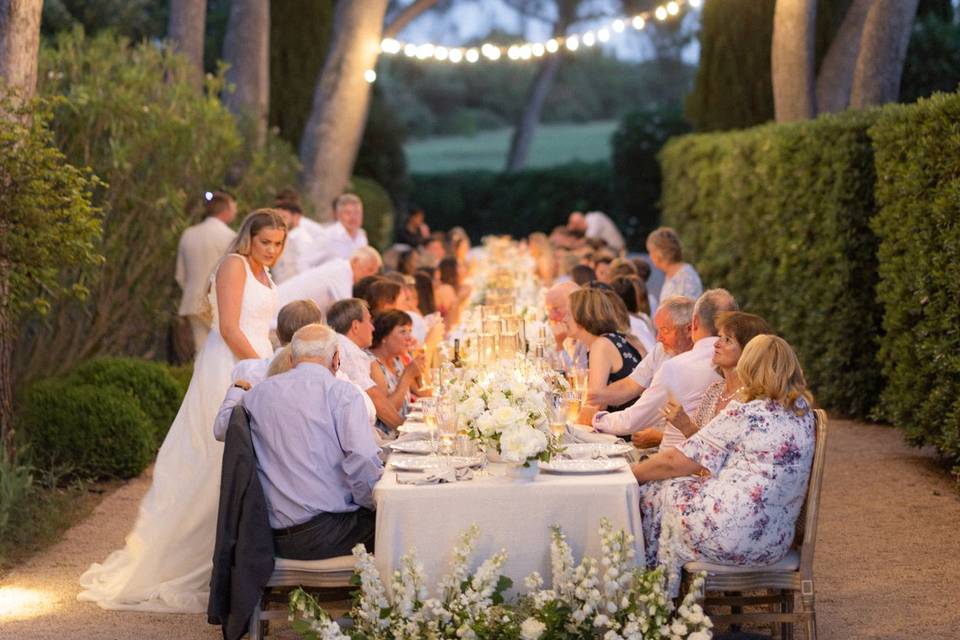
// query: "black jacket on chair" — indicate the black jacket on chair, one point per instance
point(243, 555)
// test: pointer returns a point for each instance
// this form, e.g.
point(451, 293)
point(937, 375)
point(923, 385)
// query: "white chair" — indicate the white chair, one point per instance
point(332, 573)
point(781, 582)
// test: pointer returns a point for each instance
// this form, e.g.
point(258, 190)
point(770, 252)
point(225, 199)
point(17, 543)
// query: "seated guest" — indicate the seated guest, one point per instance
point(597, 224)
point(408, 262)
point(299, 243)
point(685, 376)
point(383, 295)
point(621, 267)
point(425, 300)
point(672, 321)
point(361, 286)
point(391, 342)
point(316, 457)
point(331, 281)
point(428, 332)
point(435, 248)
point(594, 320)
point(601, 267)
point(570, 353)
point(452, 294)
point(582, 275)
point(634, 295)
point(736, 330)
point(543, 257)
point(414, 231)
point(666, 253)
point(742, 478)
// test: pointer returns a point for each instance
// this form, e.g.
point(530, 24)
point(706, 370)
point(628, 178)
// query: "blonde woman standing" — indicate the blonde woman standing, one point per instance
point(166, 563)
point(666, 253)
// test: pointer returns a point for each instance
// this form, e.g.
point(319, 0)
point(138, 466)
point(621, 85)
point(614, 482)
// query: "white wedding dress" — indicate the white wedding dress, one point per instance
point(166, 563)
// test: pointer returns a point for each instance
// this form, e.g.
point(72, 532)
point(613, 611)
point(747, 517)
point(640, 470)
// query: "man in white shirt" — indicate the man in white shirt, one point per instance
point(299, 245)
point(351, 320)
point(316, 457)
point(673, 338)
point(331, 281)
point(597, 224)
point(684, 377)
point(345, 235)
point(201, 246)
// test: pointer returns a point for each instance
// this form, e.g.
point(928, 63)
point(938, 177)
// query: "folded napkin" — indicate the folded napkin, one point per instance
point(579, 435)
point(440, 475)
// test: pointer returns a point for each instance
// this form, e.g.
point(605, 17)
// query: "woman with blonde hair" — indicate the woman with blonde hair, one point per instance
point(742, 479)
point(599, 320)
point(166, 563)
point(666, 253)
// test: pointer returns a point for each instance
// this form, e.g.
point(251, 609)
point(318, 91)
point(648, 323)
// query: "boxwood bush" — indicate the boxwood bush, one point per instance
point(148, 383)
point(90, 430)
point(779, 215)
point(918, 190)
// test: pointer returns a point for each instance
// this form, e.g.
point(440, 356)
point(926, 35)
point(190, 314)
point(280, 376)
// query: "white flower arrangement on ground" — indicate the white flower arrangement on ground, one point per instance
point(609, 598)
point(504, 408)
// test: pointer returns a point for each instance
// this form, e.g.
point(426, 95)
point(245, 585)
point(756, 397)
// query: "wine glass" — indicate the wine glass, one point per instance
point(556, 417)
point(571, 406)
point(447, 419)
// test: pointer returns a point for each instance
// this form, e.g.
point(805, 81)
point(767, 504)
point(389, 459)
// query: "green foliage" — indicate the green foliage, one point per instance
point(94, 431)
point(136, 19)
point(484, 202)
point(149, 383)
point(918, 191)
point(46, 218)
point(181, 374)
point(933, 58)
point(636, 171)
point(127, 112)
point(779, 215)
point(300, 33)
point(378, 216)
point(16, 489)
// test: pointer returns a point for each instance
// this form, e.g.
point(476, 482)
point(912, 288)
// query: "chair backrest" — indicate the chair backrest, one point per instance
point(806, 532)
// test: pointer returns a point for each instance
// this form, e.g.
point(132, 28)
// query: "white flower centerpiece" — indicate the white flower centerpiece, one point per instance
point(504, 408)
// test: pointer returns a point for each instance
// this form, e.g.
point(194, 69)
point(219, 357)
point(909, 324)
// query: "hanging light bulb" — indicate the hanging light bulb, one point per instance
point(456, 55)
point(603, 35)
point(639, 22)
point(673, 8)
point(618, 25)
point(390, 46)
point(573, 43)
point(472, 55)
point(537, 49)
point(552, 45)
point(370, 76)
point(661, 13)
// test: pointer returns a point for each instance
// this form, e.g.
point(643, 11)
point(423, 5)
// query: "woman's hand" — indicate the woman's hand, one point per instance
point(646, 438)
point(673, 413)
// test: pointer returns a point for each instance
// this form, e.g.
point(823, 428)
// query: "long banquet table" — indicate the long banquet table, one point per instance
point(515, 515)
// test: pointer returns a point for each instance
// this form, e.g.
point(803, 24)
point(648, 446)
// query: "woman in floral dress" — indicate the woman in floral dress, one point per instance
point(742, 479)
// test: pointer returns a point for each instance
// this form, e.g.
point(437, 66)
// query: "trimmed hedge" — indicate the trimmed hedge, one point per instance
point(779, 215)
point(518, 204)
point(918, 190)
point(93, 431)
point(148, 383)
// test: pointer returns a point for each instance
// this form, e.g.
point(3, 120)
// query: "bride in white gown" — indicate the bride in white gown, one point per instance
point(166, 563)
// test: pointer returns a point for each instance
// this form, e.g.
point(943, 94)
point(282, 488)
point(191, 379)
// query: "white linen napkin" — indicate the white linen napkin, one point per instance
point(579, 435)
point(437, 476)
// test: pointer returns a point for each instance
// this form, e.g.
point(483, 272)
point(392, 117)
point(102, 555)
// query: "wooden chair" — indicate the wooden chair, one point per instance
point(330, 574)
point(788, 578)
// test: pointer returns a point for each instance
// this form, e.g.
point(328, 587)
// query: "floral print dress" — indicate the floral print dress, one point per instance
point(744, 513)
point(685, 282)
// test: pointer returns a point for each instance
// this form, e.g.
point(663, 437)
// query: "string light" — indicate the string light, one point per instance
point(528, 50)
point(370, 76)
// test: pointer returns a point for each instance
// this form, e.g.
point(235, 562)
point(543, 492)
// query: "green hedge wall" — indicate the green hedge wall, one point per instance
point(484, 202)
point(780, 215)
point(918, 190)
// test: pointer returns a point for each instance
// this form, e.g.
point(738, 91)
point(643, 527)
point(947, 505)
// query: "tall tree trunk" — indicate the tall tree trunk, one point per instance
point(883, 50)
point(332, 136)
point(526, 126)
point(792, 59)
point(19, 44)
point(835, 81)
point(246, 48)
point(185, 29)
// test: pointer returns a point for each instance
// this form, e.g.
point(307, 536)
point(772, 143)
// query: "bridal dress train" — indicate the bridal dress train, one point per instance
point(166, 563)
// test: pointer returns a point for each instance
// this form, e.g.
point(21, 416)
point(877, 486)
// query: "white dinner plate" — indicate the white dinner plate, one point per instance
point(414, 427)
point(427, 463)
point(418, 447)
point(582, 466)
point(589, 450)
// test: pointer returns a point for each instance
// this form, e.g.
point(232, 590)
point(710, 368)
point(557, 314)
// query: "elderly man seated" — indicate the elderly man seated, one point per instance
point(316, 456)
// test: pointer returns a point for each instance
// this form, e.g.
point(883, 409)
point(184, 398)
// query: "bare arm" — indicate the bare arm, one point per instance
point(231, 277)
point(666, 464)
point(386, 412)
point(620, 392)
point(603, 357)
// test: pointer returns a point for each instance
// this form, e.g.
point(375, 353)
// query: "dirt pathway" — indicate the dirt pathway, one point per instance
point(888, 555)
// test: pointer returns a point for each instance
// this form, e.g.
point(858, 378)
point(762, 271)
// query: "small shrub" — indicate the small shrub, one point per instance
point(16, 489)
point(181, 374)
point(95, 431)
point(149, 383)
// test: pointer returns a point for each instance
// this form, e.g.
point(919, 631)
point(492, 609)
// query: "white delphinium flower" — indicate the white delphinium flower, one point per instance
point(373, 598)
point(533, 582)
point(532, 629)
point(449, 584)
point(561, 564)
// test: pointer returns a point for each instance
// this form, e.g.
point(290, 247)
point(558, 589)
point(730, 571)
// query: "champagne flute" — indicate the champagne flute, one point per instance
point(447, 417)
point(571, 406)
point(555, 416)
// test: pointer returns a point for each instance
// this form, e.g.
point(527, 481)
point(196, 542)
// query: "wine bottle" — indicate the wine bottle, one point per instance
point(456, 361)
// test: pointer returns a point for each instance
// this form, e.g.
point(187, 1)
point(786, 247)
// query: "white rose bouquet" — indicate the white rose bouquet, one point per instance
point(504, 408)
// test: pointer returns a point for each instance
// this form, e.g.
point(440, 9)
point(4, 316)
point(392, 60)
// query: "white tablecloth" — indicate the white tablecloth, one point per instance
point(512, 515)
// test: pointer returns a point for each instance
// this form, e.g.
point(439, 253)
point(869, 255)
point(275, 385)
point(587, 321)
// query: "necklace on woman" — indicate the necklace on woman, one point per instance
point(727, 396)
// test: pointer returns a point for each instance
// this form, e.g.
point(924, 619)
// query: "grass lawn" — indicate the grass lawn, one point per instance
point(552, 144)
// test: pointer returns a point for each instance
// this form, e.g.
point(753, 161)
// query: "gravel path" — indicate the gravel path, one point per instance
point(887, 566)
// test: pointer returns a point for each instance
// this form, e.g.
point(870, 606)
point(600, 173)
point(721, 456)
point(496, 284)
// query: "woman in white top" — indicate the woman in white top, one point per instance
point(166, 563)
point(666, 253)
point(634, 295)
